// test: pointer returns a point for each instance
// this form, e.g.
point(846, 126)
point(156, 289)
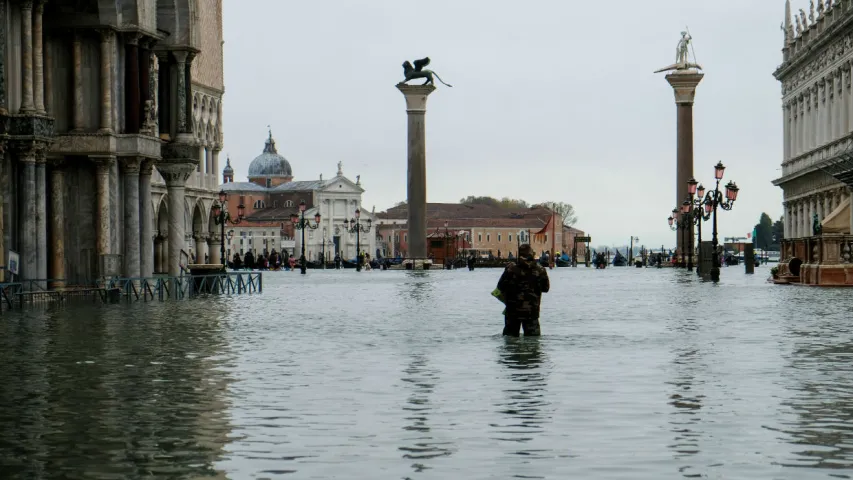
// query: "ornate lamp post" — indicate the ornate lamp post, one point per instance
point(354, 226)
point(678, 221)
point(701, 211)
point(715, 197)
point(301, 223)
point(221, 217)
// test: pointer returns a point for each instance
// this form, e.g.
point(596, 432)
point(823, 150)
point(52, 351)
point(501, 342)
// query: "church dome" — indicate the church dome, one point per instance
point(270, 163)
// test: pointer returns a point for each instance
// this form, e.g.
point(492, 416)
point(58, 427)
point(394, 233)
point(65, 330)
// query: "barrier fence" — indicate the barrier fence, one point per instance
point(18, 294)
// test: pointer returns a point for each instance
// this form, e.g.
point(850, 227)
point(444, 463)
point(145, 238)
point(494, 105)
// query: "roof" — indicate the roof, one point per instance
point(272, 214)
point(301, 186)
point(270, 163)
point(242, 187)
point(459, 215)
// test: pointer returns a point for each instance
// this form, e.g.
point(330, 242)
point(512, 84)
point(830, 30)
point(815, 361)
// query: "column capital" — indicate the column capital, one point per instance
point(26, 4)
point(214, 238)
point(58, 163)
point(132, 165)
point(416, 96)
point(176, 174)
point(132, 38)
point(180, 56)
point(684, 86)
point(103, 163)
point(26, 150)
point(106, 34)
point(146, 166)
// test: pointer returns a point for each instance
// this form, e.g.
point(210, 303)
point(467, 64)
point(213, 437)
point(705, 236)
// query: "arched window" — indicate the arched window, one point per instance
point(288, 203)
point(259, 204)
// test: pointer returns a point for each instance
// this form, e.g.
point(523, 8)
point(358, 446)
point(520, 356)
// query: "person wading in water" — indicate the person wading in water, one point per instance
point(521, 287)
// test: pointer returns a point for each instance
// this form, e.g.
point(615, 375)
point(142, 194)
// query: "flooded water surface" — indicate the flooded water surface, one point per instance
point(641, 373)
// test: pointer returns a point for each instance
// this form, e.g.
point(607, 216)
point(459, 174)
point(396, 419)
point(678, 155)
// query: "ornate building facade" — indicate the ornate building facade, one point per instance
point(111, 124)
point(817, 107)
point(271, 196)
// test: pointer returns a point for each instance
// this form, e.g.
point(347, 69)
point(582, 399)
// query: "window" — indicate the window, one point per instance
point(479, 238)
point(546, 238)
point(288, 203)
point(510, 238)
point(499, 238)
point(406, 238)
point(488, 237)
point(260, 204)
point(269, 182)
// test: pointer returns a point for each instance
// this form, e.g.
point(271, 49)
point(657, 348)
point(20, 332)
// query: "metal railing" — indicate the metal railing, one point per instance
point(17, 294)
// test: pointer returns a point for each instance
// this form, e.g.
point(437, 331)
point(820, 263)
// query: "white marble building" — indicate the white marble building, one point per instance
point(271, 196)
point(817, 107)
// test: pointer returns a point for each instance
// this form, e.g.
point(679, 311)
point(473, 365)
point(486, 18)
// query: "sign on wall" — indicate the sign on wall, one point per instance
point(14, 262)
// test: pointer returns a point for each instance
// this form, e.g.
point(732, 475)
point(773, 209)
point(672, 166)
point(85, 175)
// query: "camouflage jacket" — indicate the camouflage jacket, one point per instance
point(522, 285)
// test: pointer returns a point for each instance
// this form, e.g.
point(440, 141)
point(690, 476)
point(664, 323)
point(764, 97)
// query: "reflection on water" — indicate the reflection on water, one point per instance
point(340, 374)
point(524, 405)
point(821, 378)
point(419, 444)
point(92, 394)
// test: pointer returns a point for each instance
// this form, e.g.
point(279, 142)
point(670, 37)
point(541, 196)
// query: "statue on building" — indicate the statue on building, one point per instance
point(682, 56)
point(803, 19)
point(817, 228)
point(799, 26)
point(811, 11)
point(149, 124)
point(418, 71)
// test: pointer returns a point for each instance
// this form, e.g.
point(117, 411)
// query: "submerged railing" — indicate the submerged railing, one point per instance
point(18, 294)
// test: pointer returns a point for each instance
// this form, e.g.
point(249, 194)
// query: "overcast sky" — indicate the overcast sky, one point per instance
point(551, 100)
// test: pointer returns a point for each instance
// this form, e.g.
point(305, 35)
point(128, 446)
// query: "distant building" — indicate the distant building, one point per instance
point(271, 196)
point(481, 228)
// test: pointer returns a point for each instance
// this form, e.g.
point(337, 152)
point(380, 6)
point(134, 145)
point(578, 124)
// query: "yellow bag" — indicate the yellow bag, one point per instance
point(497, 294)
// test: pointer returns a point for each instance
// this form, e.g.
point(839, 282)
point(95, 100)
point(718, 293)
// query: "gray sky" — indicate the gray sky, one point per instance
point(552, 100)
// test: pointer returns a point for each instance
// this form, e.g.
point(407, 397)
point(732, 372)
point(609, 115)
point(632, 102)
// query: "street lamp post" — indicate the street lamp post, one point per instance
point(726, 203)
point(678, 221)
point(301, 223)
point(356, 227)
point(221, 217)
point(324, 248)
point(701, 211)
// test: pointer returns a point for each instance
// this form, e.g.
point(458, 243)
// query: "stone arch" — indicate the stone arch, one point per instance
point(175, 17)
point(162, 217)
point(198, 218)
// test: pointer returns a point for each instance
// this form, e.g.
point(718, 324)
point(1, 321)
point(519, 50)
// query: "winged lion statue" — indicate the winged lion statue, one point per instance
point(418, 71)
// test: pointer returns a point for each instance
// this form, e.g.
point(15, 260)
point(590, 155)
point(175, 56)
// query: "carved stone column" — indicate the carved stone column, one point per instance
point(176, 176)
point(146, 220)
point(840, 120)
point(41, 212)
point(27, 57)
point(106, 84)
point(816, 111)
point(27, 235)
point(102, 180)
point(201, 248)
point(795, 128)
point(77, 101)
point(144, 78)
point(57, 221)
point(38, 57)
point(183, 121)
point(216, 149)
point(4, 107)
point(131, 217)
point(786, 131)
point(132, 113)
point(802, 125)
point(48, 79)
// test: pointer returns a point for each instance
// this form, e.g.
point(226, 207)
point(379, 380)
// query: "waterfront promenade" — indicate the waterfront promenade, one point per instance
point(641, 373)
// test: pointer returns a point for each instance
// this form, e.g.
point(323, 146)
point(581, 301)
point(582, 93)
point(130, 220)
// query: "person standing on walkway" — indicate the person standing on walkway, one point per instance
point(521, 286)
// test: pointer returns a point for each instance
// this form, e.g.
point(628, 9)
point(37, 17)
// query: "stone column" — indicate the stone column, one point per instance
point(144, 80)
point(106, 85)
point(38, 58)
point(48, 79)
point(146, 220)
point(214, 244)
point(41, 213)
point(183, 97)
point(27, 236)
point(131, 217)
point(102, 181)
point(4, 108)
point(416, 98)
point(208, 163)
point(840, 122)
point(27, 57)
point(815, 132)
point(132, 114)
point(176, 176)
point(802, 124)
point(795, 128)
point(684, 83)
point(57, 221)
point(201, 248)
point(77, 60)
point(216, 172)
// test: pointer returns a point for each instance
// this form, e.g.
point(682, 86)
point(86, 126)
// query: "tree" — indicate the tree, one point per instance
point(565, 210)
point(505, 202)
point(778, 234)
point(764, 232)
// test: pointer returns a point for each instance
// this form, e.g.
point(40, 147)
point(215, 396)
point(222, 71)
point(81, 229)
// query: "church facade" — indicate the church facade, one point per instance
point(110, 127)
point(271, 196)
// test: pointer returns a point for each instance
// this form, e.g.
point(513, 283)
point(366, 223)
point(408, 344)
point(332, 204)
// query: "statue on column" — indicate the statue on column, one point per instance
point(682, 56)
point(411, 72)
